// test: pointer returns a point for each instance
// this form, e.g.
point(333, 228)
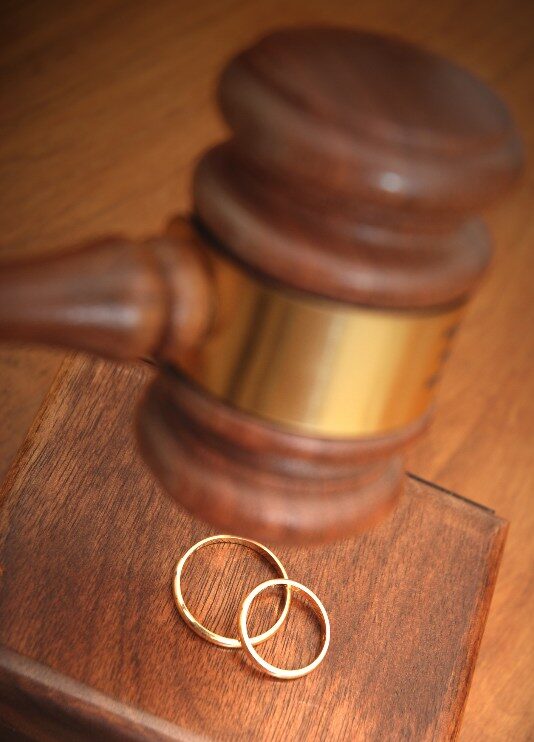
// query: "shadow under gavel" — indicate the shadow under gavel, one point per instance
point(300, 318)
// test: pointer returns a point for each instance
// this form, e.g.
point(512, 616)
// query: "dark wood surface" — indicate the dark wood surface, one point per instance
point(88, 543)
point(38, 703)
point(76, 74)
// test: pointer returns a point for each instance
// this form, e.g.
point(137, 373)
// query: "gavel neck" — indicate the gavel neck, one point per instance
point(113, 297)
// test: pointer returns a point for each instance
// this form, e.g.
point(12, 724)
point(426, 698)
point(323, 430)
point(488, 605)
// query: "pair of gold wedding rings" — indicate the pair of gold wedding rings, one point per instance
point(245, 641)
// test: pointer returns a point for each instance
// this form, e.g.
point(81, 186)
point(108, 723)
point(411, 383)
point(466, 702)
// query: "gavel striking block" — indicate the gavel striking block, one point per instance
point(300, 317)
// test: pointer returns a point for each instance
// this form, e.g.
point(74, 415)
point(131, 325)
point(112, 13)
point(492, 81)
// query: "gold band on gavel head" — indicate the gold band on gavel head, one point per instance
point(315, 366)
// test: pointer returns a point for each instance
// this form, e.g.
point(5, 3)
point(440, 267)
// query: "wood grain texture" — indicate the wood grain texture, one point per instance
point(407, 601)
point(25, 377)
point(482, 442)
point(74, 76)
point(69, 86)
point(38, 703)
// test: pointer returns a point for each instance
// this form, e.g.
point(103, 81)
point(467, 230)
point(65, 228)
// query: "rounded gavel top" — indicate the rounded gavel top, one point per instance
point(356, 167)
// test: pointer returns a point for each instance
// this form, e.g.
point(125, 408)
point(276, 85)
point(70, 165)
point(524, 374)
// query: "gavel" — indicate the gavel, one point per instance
point(300, 317)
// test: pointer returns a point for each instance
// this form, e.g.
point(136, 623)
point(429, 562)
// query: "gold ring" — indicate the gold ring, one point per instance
point(247, 642)
point(198, 628)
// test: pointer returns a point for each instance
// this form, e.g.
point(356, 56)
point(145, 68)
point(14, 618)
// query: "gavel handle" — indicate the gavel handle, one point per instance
point(115, 298)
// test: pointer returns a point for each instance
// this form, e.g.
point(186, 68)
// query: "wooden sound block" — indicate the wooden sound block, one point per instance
point(93, 647)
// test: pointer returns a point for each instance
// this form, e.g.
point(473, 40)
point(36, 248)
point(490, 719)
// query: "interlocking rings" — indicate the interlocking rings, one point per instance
point(246, 642)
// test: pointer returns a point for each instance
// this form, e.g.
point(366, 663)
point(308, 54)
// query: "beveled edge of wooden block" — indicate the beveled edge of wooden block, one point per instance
point(47, 705)
point(481, 610)
point(452, 493)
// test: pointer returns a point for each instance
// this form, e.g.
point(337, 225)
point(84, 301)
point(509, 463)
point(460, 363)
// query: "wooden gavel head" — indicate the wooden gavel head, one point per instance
point(300, 318)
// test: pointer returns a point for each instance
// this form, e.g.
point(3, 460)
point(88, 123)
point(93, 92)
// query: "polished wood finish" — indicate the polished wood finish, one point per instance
point(71, 163)
point(263, 482)
point(335, 110)
point(114, 297)
point(407, 601)
point(482, 442)
point(355, 167)
point(25, 377)
point(37, 703)
point(358, 187)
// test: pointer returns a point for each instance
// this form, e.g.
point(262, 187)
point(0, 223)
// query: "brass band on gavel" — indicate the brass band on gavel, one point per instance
point(317, 366)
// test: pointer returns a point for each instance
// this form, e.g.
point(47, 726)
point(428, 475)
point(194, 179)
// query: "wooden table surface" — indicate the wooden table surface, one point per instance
point(104, 107)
